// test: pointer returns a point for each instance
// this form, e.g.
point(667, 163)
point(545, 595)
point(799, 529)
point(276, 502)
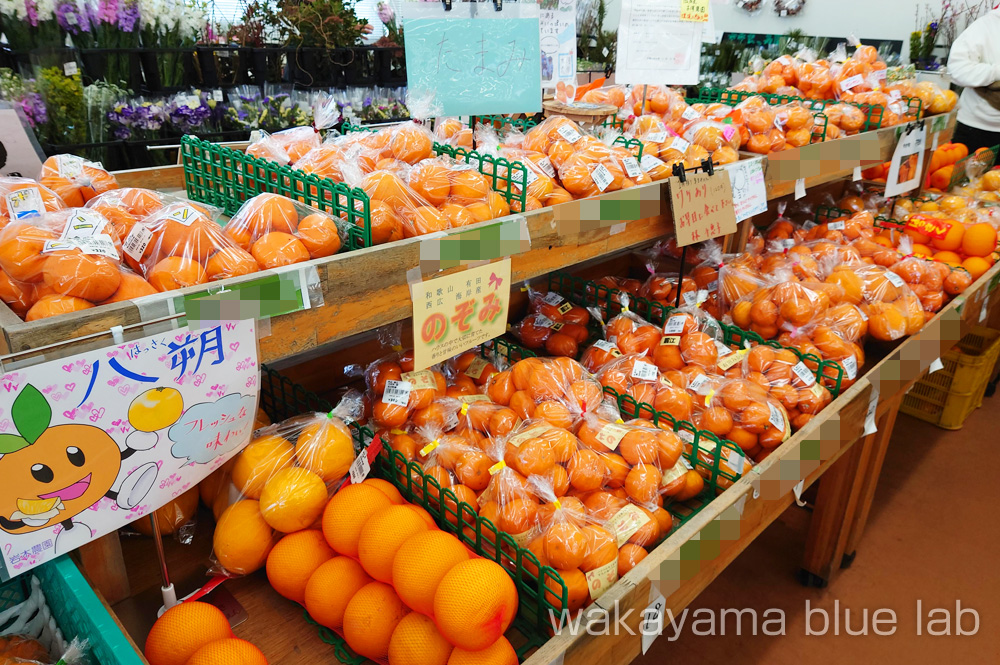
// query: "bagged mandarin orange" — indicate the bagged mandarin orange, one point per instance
point(74, 179)
point(506, 501)
point(277, 231)
point(453, 132)
point(398, 391)
point(631, 452)
point(181, 245)
point(634, 376)
point(630, 332)
point(22, 197)
point(286, 146)
point(123, 207)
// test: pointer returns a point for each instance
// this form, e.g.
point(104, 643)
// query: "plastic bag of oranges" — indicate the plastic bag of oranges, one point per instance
point(181, 245)
point(123, 207)
point(451, 131)
point(635, 376)
point(282, 481)
point(893, 310)
point(277, 231)
point(760, 119)
point(285, 147)
point(398, 392)
point(74, 179)
point(21, 198)
point(468, 372)
point(630, 332)
point(717, 139)
point(740, 410)
point(558, 385)
point(406, 142)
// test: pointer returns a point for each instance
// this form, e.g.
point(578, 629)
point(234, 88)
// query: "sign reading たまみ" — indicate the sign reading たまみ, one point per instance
point(457, 312)
point(94, 441)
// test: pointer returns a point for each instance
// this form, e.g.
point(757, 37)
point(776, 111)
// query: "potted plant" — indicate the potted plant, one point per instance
point(321, 35)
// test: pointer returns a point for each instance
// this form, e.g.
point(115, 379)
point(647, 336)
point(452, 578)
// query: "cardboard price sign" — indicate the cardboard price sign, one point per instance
point(456, 312)
point(94, 441)
point(702, 206)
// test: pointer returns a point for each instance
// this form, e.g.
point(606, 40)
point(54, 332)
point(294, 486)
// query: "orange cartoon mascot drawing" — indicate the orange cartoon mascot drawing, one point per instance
point(52, 474)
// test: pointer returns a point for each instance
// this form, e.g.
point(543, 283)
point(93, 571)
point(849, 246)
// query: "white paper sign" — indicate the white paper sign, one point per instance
point(94, 441)
point(749, 194)
point(557, 39)
point(655, 46)
point(907, 162)
point(652, 620)
point(870, 426)
point(800, 188)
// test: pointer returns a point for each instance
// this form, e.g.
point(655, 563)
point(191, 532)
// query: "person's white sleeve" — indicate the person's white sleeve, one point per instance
point(969, 64)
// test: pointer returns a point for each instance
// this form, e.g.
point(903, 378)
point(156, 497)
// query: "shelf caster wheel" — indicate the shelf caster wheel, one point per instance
point(807, 578)
point(848, 560)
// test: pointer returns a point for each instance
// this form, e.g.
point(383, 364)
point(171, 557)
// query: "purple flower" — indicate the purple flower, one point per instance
point(128, 16)
point(386, 14)
point(32, 9)
point(71, 19)
point(34, 109)
point(107, 11)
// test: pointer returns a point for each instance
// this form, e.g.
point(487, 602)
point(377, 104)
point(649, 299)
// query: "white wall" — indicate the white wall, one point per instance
point(866, 19)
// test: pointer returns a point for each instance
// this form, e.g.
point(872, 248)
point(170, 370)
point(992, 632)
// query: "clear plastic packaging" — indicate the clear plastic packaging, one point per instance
point(74, 179)
point(399, 393)
point(21, 198)
point(277, 231)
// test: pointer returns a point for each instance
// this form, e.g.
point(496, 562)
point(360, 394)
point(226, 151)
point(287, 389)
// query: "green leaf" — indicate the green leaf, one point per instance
point(11, 443)
point(32, 413)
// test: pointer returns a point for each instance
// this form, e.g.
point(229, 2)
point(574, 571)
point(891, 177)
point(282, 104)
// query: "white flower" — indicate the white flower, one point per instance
point(46, 10)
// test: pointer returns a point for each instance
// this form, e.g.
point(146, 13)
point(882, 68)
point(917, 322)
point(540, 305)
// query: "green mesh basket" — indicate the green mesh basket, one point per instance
point(587, 293)
point(227, 178)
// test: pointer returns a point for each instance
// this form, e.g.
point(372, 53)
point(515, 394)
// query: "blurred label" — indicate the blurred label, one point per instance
point(649, 162)
point(929, 226)
point(83, 224)
point(137, 240)
point(360, 468)
point(25, 202)
point(569, 133)
point(694, 10)
point(631, 167)
point(851, 82)
point(836, 226)
point(850, 364)
point(657, 137)
point(602, 177)
point(626, 522)
point(396, 392)
point(565, 308)
point(458, 312)
point(532, 432)
point(776, 417)
point(670, 340)
point(674, 325)
point(894, 279)
point(552, 298)
point(185, 215)
point(69, 166)
point(674, 473)
point(817, 391)
point(729, 360)
point(800, 188)
point(679, 144)
point(545, 164)
point(601, 579)
point(476, 367)
point(217, 95)
point(690, 114)
point(611, 435)
point(697, 382)
point(607, 347)
point(736, 462)
point(70, 68)
point(101, 245)
point(805, 376)
point(543, 321)
point(644, 371)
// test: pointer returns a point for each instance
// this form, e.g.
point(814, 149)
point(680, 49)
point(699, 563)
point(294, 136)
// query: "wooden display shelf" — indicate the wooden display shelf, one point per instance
point(368, 288)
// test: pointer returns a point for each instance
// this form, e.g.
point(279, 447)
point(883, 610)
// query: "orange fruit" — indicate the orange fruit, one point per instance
point(411, 144)
point(976, 266)
point(474, 604)
point(232, 650)
point(19, 296)
point(87, 276)
point(277, 249)
point(326, 448)
point(979, 239)
point(421, 563)
point(381, 537)
point(121, 219)
point(259, 461)
point(242, 538)
point(140, 202)
point(417, 641)
point(331, 587)
point(320, 235)
point(498, 653)
point(229, 262)
point(183, 630)
point(629, 556)
point(956, 282)
point(292, 499)
point(370, 619)
point(132, 286)
point(21, 247)
point(431, 181)
point(21, 647)
point(294, 559)
point(176, 272)
point(948, 257)
point(469, 187)
point(346, 513)
point(565, 545)
point(55, 305)
point(268, 212)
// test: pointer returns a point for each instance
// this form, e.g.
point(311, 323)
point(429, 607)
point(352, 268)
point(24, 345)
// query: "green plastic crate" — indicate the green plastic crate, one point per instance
point(948, 397)
point(76, 609)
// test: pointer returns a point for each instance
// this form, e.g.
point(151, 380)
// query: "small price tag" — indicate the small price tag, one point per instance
point(543, 321)
point(84, 224)
point(894, 279)
point(679, 144)
point(217, 95)
point(657, 137)
point(697, 382)
point(611, 435)
point(70, 68)
point(360, 468)
point(674, 325)
point(670, 340)
point(565, 308)
point(728, 361)
point(569, 133)
point(870, 426)
point(24, 203)
point(69, 166)
point(185, 215)
point(736, 462)
point(852, 82)
point(552, 298)
point(776, 418)
point(649, 162)
point(805, 376)
point(397, 392)
point(100, 245)
point(857, 174)
point(602, 177)
point(652, 620)
point(606, 346)
point(631, 167)
point(644, 371)
point(690, 114)
point(137, 240)
point(545, 164)
point(475, 368)
point(850, 364)
point(836, 226)
point(800, 188)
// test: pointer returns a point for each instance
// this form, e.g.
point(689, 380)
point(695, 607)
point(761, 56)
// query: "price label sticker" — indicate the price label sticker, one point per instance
point(805, 375)
point(397, 392)
point(545, 164)
point(137, 240)
point(712, 286)
point(722, 349)
point(360, 468)
point(217, 95)
point(649, 162)
point(530, 433)
point(690, 114)
point(626, 522)
point(611, 435)
point(894, 279)
point(632, 168)
point(99, 245)
point(552, 298)
point(569, 133)
point(852, 82)
point(422, 380)
point(670, 340)
point(602, 177)
point(543, 321)
point(83, 224)
point(657, 137)
point(599, 580)
point(69, 166)
point(644, 371)
point(531, 176)
point(70, 68)
point(476, 367)
point(607, 347)
point(850, 364)
point(679, 144)
point(697, 382)
point(674, 325)
point(776, 417)
point(25, 203)
point(836, 226)
point(726, 362)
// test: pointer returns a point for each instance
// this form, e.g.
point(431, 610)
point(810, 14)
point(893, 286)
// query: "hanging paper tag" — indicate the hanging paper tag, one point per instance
point(545, 164)
point(360, 468)
point(611, 435)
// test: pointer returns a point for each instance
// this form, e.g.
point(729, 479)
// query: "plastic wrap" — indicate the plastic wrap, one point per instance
point(74, 179)
point(21, 198)
point(399, 393)
point(124, 207)
point(277, 231)
point(631, 333)
point(633, 375)
point(453, 132)
point(559, 387)
point(181, 245)
point(283, 480)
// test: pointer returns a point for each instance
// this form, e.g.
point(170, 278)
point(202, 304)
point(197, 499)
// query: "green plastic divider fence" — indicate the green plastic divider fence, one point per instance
point(959, 174)
point(227, 178)
point(523, 124)
point(587, 293)
point(614, 123)
point(635, 145)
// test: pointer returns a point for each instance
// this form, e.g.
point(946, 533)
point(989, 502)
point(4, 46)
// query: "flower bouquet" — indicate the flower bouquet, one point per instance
point(24, 94)
point(58, 80)
point(30, 24)
point(116, 26)
point(191, 113)
point(244, 109)
point(283, 109)
point(176, 25)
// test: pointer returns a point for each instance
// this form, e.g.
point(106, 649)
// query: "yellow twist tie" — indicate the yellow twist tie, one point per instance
point(397, 431)
point(426, 450)
point(619, 421)
point(496, 468)
point(465, 408)
point(557, 504)
point(397, 348)
point(709, 396)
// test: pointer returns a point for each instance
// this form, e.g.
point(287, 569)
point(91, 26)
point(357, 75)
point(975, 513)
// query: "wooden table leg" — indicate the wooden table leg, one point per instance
point(103, 564)
point(836, 502)
point(869, 477)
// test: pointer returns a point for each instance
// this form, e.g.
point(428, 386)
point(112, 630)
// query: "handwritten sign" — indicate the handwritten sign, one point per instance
point(456, 312)
point(702, 207)
point(557, 26)
point(472, 60)
point(907, 161)
point(94, 441)
point(655, 45)
point(694, 10)
point(749, 194)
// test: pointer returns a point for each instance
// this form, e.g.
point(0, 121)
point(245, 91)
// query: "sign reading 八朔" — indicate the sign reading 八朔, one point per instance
point(91, 442)
point(456, 312)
